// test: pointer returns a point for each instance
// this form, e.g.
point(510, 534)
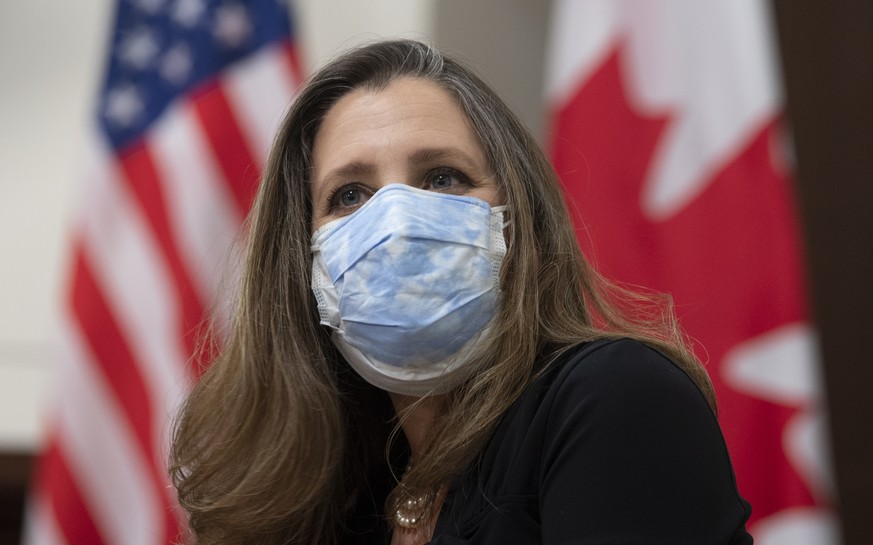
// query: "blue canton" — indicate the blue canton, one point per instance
point(163, 48)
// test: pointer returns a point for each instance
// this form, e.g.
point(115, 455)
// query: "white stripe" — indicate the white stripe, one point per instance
point(708, 66)
point(260, 90)
point(805, 441)
point(200, 207)
point(780, 366)
point(581, 33)
point(40, 526)
point(129, 266)
point(800, 525)
point(102, 453)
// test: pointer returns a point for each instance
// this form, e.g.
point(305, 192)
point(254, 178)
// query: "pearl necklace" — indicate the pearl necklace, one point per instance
point(413, 511)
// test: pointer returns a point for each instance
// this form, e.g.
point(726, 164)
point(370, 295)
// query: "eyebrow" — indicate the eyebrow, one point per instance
point(434, 154)
point(355, 169)
point(359, 169)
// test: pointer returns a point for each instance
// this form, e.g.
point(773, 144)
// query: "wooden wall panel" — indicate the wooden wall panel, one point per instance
point(827, 53)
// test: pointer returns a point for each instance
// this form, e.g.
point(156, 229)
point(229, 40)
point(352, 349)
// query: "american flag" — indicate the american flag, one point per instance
point(667, 134)
point(193, 93)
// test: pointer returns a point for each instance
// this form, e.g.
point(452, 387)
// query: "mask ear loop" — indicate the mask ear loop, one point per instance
point(498, 241)
point(502, 209)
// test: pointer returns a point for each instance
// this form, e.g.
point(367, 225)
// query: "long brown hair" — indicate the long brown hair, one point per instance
point(275, 441)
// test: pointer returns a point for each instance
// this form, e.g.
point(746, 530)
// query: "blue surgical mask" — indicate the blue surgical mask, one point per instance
point(409, 284)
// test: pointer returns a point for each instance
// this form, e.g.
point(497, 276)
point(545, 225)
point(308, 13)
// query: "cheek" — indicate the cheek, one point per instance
point(317, 221)
point(491, 195)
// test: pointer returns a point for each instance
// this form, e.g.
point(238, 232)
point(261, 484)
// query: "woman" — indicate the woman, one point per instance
point(420, 353)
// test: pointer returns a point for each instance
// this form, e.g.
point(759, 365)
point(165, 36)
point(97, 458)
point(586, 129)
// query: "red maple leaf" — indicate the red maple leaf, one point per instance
point(730, 258)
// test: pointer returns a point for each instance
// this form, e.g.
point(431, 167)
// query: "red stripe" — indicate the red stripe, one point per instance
point(56, 482)
point(293, 60)
point(118, 366)
point(228, 144)
point(111, 353)
point(142, 177)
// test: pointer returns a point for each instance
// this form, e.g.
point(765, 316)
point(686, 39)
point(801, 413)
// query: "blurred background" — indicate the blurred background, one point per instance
point(52, 69)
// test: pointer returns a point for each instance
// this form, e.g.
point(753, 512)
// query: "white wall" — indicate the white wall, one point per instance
point(48, 75)
point(51, 56)
point(327, 27)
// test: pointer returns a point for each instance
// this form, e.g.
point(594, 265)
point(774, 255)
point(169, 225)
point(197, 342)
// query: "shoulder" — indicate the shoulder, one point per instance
point(623, 420)
point(601, 398)
point(617, 362)
point(621, 373)
point(624, 395)
point(613, 443)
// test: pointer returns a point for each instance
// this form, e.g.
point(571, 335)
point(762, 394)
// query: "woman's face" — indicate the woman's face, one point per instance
point(411, 132)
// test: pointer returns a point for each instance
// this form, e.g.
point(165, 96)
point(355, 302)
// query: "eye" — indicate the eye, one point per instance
point(444, 179)
point(347, 198)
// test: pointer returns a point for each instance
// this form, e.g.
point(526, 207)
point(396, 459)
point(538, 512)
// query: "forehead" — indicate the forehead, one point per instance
point(406, 115)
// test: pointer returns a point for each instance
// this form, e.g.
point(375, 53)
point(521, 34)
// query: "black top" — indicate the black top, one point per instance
point(614, 444)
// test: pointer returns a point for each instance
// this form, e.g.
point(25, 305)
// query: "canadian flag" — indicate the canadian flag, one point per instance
point(666, 132)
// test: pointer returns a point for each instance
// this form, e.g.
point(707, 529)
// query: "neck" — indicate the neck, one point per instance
point(419, 416)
